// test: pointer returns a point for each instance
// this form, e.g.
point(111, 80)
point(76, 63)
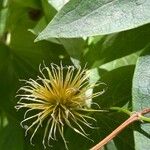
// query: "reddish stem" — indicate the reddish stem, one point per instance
point(131, 119)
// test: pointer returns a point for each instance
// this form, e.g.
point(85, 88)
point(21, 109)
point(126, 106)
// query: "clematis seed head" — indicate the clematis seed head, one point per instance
point(58, 96)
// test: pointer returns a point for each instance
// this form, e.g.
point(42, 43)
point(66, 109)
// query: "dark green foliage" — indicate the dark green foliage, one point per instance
point(79, 33)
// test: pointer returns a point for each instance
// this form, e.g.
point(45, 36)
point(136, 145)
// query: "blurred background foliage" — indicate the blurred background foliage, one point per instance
point(111, 58)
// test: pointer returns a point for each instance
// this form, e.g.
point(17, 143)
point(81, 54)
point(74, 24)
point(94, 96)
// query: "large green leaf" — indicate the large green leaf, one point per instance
point(114, 46)
point(80, 18)
point(141, 98)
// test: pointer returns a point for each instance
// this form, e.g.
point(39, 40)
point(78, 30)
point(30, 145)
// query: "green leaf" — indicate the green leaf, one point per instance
point(80, 18)
point(3, 4)
point(118, 87)
point(3, 18)
point(124, 61)
point(3, 120)
point(114, 46)
point(141, 98)
point(58, 4)
point(29, 3)
point(49, 11)
point(11, 138)
point(74, 47)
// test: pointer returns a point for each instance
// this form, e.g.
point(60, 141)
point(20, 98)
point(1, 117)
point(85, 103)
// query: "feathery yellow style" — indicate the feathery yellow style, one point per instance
point(59, 97)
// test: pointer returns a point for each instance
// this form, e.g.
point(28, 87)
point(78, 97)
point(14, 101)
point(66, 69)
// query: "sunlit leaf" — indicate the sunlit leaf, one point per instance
point(95, 17)
point(141, 97)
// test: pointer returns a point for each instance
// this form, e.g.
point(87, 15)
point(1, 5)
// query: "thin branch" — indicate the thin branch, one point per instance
point(137, 116)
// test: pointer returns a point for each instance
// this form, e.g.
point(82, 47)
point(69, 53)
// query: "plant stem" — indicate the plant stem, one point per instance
point(121, 110)
point(137, 116)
